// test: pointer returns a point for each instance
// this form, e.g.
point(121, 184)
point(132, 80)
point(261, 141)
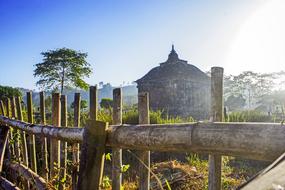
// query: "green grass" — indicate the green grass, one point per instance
point(249, 116)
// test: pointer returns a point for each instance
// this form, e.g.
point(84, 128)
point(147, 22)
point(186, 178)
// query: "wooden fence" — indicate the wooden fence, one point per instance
point(25, 144)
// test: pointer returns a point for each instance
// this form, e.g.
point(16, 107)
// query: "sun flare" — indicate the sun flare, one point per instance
point(260, 43)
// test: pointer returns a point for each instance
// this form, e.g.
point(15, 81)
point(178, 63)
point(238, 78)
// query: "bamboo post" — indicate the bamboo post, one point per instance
point(216, 116)
point(8, 107)
point(144, 156)
point(93, 96)
point(4, 130)
point(116, 152)
point(55, 144)
point(24, 149)
point(13, 107)
point(31, 142)
point(92, 156)
point(44, 148)
point(63, 145)
point(11, 138)
point(75, 147)
point(2, 107)
point(16, 132)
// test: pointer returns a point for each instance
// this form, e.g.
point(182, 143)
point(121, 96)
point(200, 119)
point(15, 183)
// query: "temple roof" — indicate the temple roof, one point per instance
point(174, 68)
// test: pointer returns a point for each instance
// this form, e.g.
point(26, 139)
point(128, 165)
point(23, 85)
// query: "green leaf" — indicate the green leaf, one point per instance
point(125, 168)
point(167, 185)
point(108, 156)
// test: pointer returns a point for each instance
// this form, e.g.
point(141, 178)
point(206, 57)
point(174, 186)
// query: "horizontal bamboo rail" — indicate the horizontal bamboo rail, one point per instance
point(7, 185)
point(28, 174)
point(70, 134)
point(259, 141)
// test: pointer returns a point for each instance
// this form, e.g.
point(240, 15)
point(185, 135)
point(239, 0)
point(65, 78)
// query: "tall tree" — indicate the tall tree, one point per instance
point(62, 68)
point(250, 86)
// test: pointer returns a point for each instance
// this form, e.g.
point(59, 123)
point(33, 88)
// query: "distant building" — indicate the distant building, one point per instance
point(178, 88)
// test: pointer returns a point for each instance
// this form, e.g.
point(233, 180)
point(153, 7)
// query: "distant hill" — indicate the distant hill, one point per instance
point(105, 91)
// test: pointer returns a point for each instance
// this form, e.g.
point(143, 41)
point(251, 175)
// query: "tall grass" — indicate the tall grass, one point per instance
point(156, 117)
point(249, 116)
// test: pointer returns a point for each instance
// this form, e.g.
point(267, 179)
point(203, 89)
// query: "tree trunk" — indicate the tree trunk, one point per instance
point(62, 78)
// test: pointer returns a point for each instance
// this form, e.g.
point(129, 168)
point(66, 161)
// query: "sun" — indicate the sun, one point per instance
point(260, 43)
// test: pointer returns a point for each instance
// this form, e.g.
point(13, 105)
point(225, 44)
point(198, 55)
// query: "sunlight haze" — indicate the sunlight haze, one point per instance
point(260, 43)
point(125, 39)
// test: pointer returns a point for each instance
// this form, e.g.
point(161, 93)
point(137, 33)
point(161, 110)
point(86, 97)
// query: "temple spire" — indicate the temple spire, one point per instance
point(173, 56)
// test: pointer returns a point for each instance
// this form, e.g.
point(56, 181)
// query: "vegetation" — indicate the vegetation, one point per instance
point(7, 91)
point(62, 68)
point(83, 105)
point(250, 89)
point(235, 171)
point(249, 116)
point(106, 103)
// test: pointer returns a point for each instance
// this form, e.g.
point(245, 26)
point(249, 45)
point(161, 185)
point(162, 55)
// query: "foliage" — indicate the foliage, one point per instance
point(156, 117)
point(106, 183)
point(62, 68)
point(250, 85)
point(108, 157)
point(48, 103)
point(272, 102)
point(249, 116)
point(7, 91)
point(106, 103)
point(232, 174)
point(83, 105)
point(125, 168)
point(235, 102)
point(104, 115)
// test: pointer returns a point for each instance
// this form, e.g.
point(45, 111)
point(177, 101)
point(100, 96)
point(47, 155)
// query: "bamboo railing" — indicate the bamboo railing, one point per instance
point(259, 141)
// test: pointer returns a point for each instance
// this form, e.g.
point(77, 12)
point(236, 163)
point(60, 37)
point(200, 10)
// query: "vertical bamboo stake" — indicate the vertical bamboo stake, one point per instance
point(75, 147)
point(4, 130)
point(24, 149)
point(9, 114)
point(93, 96)
point(2, 107)
point(63, 145)
point(17, 143)
point(32, 142)
point(143, 109)
point(55, 144)
point(13, 107)
point(8, 107)
point(44, 148)
point(92, 156)
point(116, 152)
point(216, 116)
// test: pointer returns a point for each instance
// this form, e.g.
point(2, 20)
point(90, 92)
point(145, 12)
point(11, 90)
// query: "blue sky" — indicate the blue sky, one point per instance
point(124, 39)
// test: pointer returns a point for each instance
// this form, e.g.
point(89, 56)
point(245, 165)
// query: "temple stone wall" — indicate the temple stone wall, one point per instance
point(177, 88)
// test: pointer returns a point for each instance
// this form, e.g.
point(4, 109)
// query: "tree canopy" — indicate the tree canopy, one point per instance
point(62, 68)
point(7, 91)
point(106, 103)
point(255, 88)
point(83, 104)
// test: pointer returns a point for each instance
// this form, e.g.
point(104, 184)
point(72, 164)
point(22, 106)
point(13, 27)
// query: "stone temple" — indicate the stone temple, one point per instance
point(177, 88)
